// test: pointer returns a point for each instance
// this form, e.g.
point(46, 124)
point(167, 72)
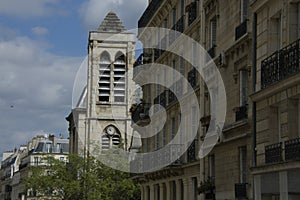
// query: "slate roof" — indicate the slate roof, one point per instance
point(111, 24)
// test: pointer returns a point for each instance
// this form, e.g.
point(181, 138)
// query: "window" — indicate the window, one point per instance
point(157, 192)
point(243, 87)
point(181, 66)
point(213, 32)
point(243, 164)
point(181, 189)
point(148, 140)
point(211, 160)
point(182, 7)
point(119, 77)
point(104, 77)
point(164, 136)
point(275, 41)
point(157, 139)
point(173, 129)
point(36, 161)
point(174, 16)
point(194, 120)
point(105, 142)
point(174, 71)
point(195, 186)
point(173, 193)
point(244, 10)
point(157, 84)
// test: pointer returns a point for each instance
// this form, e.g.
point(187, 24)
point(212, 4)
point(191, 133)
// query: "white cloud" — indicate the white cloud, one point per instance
point(93, 12)
point(28, 8)
point(39, 31)
point(35, 90)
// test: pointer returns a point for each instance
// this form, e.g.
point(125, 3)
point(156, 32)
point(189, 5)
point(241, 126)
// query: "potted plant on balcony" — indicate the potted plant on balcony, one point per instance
point(207, 186)
point(205, 120)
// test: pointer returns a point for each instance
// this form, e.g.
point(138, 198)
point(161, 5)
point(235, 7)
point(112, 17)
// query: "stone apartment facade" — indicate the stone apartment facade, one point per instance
point(277, 169)
point(101, 119)
point(15, 167)
point(225, 30)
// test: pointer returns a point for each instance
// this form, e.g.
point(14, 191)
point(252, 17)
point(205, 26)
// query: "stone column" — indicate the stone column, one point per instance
point(152, 192)
point(143, 192)
point(161, 191)
point(168, 190)
point(186, 188)
point(283, 185)
point(257, 187)
point(178, 190)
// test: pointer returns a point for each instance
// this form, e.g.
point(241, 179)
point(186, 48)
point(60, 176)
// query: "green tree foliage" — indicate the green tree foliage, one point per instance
point(81, 178)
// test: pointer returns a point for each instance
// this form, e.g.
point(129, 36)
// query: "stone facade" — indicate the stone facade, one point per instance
point(104, 120)
point(224, 29)
point(277, 100)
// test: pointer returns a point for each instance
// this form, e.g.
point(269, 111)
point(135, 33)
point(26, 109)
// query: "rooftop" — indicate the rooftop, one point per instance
point(111, 24)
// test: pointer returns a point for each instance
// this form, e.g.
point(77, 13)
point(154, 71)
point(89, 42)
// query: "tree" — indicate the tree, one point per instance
point(81, 178)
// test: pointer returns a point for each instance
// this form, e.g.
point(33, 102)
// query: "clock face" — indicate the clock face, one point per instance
point(110, 130)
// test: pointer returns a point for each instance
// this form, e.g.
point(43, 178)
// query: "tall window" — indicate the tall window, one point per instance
point(119, 77)
point(157, 139)
point(276, 32)
point(173, 187)
point(243, 164)
point(36, 161)
point(182, 7)
point(243, 87)
point(211, 160)
point(244, 9)
point(173, 129)
point(173, 16)
point(164, 136)
point(213, 32)
point(104, 77)
point(194, 120)
point(195, 186)
point(174, 71)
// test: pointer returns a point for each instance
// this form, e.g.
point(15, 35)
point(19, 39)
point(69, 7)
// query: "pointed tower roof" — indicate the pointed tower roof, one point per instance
point(111, 24)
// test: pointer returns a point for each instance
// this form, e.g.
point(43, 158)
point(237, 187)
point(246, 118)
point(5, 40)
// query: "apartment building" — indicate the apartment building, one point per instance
point(15, 167)
point(224, 29)
point(277, 169)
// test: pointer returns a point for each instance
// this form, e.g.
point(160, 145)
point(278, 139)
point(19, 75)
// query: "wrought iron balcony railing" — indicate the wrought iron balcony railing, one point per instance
point(241, 30)
point(240, 191)
point(280, 65)
point(149, 13)
point(141, 112)
point(292, 149)
point(191, 152)
point(241, 113)
point(171, 154)
point(177, 28)
point(273, 153)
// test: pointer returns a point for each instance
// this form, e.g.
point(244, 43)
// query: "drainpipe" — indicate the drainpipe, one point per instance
point(254, 44)
point(254, 56)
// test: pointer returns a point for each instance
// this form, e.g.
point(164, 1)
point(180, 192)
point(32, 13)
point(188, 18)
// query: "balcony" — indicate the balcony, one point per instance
point(212, 52)
point(149, 13)
point(140, 112)
point(273, 153)
point(171, 154)
point(192, 12)
point(240, 191)
point(191, 152)
point(241, 30)
point(292, 149)
point(241, 113)
point(280, 65)
point(177, 28)
point(192, 78)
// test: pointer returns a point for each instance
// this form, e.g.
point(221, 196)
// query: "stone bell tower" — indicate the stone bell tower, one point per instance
point(109, 88)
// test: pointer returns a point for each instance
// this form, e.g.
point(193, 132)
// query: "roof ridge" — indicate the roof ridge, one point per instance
point(111, 24)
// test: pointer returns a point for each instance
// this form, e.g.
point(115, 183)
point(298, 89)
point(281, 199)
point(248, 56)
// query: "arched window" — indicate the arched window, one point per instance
point(119, 77)
point(104, 77)
point(111, 137)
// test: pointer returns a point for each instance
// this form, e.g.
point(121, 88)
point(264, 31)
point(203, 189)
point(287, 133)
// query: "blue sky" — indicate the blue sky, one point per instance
point(42, 44)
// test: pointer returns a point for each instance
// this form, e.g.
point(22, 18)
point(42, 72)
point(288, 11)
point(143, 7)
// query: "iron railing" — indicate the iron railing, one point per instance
point(141, 112)
point(149, 13)
point(273, 153)
point(241, 30)
point(280, 65)
point(240, 191)
point(191, 152)
point(241, 113)
point(292, 149)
